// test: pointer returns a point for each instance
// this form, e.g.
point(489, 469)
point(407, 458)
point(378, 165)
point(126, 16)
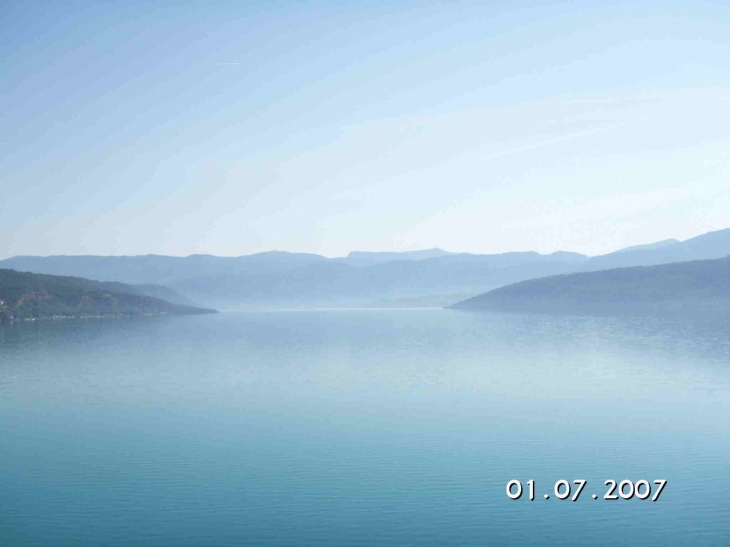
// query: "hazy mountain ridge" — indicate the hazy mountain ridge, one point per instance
point(158, 269)
point(280, 278)
point(649, 246)
point(365, 258)
point(695, 286)
point(25, 295)
point(332, 282)
point(706, 246)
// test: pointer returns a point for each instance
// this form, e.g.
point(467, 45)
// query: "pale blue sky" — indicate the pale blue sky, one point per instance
point(236, 127)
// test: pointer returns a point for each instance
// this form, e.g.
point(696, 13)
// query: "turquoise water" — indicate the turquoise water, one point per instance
point(339, 428)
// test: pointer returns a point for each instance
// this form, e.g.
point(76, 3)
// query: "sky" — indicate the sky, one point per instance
point(231, 128)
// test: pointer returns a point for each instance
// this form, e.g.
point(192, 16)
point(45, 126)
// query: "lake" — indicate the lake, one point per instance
point(370, 427)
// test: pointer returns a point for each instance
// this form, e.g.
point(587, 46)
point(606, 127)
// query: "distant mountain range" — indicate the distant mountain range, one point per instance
point(697, 286)
point(361, 258)
point(648, 246)
point(37, 296)
point(707, 246)
point(432, 277)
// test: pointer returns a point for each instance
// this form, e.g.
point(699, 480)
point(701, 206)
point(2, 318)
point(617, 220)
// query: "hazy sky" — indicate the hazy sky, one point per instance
point(236, 127)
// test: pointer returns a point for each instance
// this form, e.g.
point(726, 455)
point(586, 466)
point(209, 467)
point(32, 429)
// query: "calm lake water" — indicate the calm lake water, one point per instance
point(340, 428)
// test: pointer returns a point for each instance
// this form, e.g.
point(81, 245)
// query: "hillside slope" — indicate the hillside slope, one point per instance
point(36, 296)
point(702, 285)
point(155, 291)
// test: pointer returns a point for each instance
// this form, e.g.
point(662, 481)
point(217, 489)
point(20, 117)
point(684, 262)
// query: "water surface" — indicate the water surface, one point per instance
point(343, 428)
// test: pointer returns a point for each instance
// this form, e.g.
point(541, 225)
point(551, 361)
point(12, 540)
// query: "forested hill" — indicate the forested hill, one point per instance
point(698, 286)
point(37, 296)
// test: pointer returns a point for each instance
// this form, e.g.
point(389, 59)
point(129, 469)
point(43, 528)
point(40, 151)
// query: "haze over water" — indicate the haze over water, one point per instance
point(398, 427)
